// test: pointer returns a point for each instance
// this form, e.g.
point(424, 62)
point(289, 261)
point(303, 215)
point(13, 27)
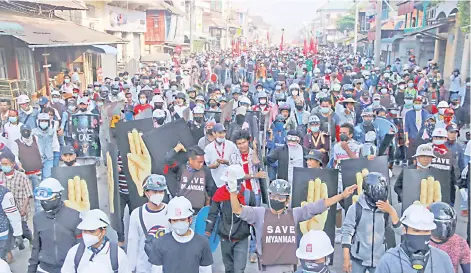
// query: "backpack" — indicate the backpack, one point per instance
point(113, 256)
point(149, 238)
point(359, 211)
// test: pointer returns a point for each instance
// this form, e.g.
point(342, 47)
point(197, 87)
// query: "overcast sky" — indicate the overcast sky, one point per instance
point(287, 14)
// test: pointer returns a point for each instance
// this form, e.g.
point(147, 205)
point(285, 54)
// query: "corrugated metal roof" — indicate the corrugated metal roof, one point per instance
point(42, 32)
point(65, 5)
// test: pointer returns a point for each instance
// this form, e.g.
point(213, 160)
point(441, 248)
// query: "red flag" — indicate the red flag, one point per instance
point(311, 46)
point(305, 48)
point(281, 44)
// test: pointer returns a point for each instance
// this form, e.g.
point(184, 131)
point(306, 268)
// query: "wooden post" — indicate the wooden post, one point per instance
point(46, 73)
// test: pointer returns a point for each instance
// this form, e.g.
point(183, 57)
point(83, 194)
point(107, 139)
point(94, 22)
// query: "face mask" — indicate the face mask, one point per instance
point(311, 266)
point(376, 102)
point(384, 91)
point(71, 108)
point(299, 107)
point(49, 205)
point(159, 121)
point(44, 125)
point(411, 84)
point(198, 119)
point(129, 116)
point(367, 122)
point(158, 106)
point(439, 141)
point(441, 111)
point(277, 205)
point(6, 169)
point(314, 129)
point(423, 166)
point(13, 119)
point(418, 107)
point(220, 140)
point(143, 101)
point(89, 240)
point(55, 100)
point(408, 102)
point(67, 80)
point(173, 88)
point(263, 101)
point(180, 227)
point(295, 93)
point(83, 109)
point(259, 90)
point(156, 199)
point(343, 137)
point(416, 243)
point(324, 110)
point(70, 163)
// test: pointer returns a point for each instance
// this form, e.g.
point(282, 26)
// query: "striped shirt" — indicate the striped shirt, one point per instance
point(21, 188)
point(122, 184)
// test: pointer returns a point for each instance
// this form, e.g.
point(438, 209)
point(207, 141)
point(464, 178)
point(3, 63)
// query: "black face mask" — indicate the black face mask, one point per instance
point(26, 134)
point(299, 107)
point(212, 104)
point(417, 243)
point(343, 137)
point(160, 121)
point(311, 266)
point(83, 109)
point(240, 119)
point(209, 132)
point(49, 205)
point(277, 205)
point(158, 106)
point(198, 119)
point(70, 163)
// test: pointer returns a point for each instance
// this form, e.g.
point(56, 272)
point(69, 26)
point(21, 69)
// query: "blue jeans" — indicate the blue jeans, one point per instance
point(253, 240)
point(357, 267)
point(272, 171)
point(234, 255)
point(47, 168)
point(34, 178)
point(57, 157)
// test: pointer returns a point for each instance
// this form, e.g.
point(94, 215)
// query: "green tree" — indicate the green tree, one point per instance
point(463, 15)
point(346, 23)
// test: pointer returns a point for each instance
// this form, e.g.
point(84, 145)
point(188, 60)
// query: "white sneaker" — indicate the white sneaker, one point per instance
point(338, 235)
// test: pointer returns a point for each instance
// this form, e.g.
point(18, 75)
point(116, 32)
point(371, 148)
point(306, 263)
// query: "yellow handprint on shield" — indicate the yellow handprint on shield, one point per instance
point(316, 190)
point(78, 198)
point(139, 160)
point(360, 177)
point(430, 191)
point(110, 174)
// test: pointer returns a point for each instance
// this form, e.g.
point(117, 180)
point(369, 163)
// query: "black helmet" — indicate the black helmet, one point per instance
point(181, 95)
point(280, 187)
point(324, 86)
point(375, 188)
point(445, 218)
point(115, 89)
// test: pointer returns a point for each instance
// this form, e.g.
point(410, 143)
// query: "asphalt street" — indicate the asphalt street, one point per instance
point(21, 257)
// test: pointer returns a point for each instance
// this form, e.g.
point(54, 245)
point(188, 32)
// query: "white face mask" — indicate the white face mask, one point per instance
point(441, 111)
point(180, 227)
point(220, 140)
point(156, 199)
point(89, 239)
point(142, 101)
point(55, 100)
point(66, 80)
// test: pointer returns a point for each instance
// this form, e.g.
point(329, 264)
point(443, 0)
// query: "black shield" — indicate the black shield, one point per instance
point(86, 135)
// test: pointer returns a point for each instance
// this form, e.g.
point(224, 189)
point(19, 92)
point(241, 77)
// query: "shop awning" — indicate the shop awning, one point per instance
point(109, 50)
point(425, 30)
point(42, 32)
point(156, 57)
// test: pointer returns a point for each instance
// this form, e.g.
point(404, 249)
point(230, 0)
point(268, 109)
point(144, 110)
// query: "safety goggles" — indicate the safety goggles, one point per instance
point(292, 138)
point(41, 193)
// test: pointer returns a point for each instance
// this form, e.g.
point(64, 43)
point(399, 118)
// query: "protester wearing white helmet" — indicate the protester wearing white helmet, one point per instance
point(46, 135)
point(415, 254)
point(313, 250)
point(27, 114)
point(55, 229)
point(149, 219)
point(96, 253)
point(159, 106)
point(165, 253)
point(197, 124)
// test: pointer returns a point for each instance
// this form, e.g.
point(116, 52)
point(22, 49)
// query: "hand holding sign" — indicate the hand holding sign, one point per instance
point(316, 190)
point(360, 177)
point(77, 194)
point(430, 191)
point(139, 160)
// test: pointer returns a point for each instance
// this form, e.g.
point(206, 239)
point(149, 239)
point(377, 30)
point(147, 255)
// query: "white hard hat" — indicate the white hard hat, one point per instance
point(51, 183)
point(417, 216)
point(157, 98)
point(233, 172)
point(22, 99)
point(424, 150)
point(244, 99)
point(439, 132)
point(179, 208)
point(443, 104)
point(198, 110)
point(314, 245)
point(93, 219)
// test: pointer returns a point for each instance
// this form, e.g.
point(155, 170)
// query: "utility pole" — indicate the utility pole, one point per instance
point(379, 10)
point(191, 24)
point(46, 73)
point(355, 30)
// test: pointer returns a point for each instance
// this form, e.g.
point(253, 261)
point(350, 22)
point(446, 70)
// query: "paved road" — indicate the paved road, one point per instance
point(21, 257)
